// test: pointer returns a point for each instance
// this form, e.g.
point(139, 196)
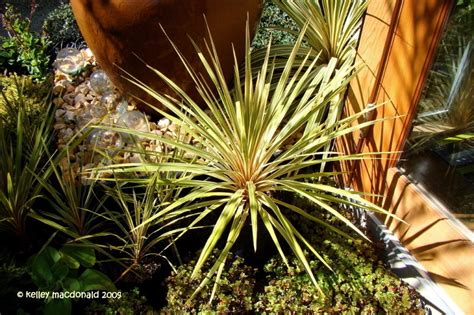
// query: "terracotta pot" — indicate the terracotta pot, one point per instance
point(115, 30)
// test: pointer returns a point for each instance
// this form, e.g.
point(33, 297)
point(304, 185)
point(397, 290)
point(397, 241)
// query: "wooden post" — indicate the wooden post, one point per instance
point(398, 45)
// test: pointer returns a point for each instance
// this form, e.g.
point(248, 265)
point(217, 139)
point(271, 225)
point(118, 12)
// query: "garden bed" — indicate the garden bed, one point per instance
point(229, 205)
point(251, 283)
point(258, 283)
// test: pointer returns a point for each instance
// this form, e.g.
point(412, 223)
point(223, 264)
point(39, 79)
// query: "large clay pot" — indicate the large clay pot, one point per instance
point(115, 30)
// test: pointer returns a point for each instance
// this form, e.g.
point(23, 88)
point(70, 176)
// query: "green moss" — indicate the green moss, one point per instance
point(234, 294)
point(129, 303)
point(355, 286)
point(359, 282)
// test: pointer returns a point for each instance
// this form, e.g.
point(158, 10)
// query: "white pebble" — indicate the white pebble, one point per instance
point(163, 123)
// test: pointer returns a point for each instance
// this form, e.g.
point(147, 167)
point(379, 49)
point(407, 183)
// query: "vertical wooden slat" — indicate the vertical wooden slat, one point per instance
point(418, 29)
point(433, 239)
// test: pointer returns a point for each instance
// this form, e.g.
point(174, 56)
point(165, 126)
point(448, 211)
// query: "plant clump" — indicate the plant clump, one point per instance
point(357, 285)
point(23, 50)
point(234, 293)
point(130, 303)
point(61, 29)
point(15, 88)
point(24, 142)
point(358, 282)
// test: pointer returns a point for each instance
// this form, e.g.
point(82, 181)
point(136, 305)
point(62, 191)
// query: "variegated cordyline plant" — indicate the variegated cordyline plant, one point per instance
point(138, 235)
point(333, 27)
point(332, 35)
point(241, 133)
point(137, 239)
point(23, 158)
point(447, 114)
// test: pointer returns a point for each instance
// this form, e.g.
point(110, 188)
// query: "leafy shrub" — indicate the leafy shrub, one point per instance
point(130, 303)
point(61, 28)
point(272, 23)
point(23, 50)
point(233, 295)
point(66, 270)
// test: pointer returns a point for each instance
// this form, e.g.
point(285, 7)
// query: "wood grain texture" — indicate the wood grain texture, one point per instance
point(432, 238)
point(445, 252)
point(411, 51)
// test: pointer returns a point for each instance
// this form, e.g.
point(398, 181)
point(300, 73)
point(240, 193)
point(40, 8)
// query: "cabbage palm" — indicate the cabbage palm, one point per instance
point(447, 110)
point(137, 240)
point(333, 28)
point(332, 35)
point(241, 169)
point(73, 205)
point(138, 235)
point(24, 140)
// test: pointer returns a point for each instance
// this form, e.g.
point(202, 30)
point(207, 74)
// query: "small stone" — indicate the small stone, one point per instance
point(98, 111)
point(60, 87)
point(152, 125)
point(189, 155)
point(58, 101)
point(87, 54)
point(169, 135)
point(58, 76)
point(135, 158)
point(159, 148)
point(59, 113)
point(163, 123)
point(66, 134)
point(79, 99)
point(70, 115)
point(83, 117)
point(84, 89)
point(59, 126)
point(69, 98)
point(70, 88)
